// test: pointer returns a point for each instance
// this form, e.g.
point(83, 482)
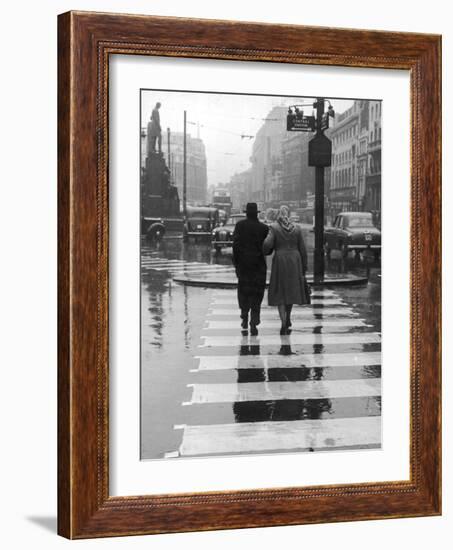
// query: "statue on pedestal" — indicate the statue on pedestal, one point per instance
point(155, 131)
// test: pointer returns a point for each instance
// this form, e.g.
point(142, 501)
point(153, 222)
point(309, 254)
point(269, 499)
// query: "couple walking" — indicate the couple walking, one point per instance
point(251, 242)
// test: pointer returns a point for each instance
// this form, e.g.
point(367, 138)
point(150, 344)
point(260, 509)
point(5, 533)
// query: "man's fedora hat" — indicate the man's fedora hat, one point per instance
point(251, 208)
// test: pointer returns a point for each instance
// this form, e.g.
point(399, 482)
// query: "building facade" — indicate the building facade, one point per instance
point(298, 178)
point(266, 158)
point(372, 199)
point(344, 174)
point(239, 187)
point(196, 166)
point(356, 159)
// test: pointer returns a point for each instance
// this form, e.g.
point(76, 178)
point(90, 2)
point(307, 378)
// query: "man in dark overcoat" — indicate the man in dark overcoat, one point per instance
point(250, 263)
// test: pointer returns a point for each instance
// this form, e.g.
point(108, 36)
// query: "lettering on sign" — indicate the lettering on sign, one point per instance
point(296, 123)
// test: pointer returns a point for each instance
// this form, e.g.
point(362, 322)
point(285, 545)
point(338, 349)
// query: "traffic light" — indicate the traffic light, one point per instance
point(290, 118)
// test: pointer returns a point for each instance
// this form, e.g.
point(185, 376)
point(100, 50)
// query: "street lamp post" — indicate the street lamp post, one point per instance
point(168, 149)
point(184, 168)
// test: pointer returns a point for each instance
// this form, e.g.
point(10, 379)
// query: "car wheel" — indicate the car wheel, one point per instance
point(155, 233)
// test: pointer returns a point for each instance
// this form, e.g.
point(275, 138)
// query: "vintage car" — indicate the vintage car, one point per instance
point(353, 231)
point(153, 228)
point(222, 236)
point(199, 222)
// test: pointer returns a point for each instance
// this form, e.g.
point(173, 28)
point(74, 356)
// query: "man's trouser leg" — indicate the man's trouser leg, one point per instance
point(244, 302)
point(255, 304)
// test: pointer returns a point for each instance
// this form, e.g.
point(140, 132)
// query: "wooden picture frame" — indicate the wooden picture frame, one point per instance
point(85, 42)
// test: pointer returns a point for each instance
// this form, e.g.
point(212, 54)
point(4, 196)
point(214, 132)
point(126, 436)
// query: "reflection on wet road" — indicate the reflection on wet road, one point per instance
point(207, 389)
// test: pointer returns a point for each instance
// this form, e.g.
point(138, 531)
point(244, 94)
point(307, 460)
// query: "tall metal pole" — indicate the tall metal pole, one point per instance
point(184, 173)
point(318, 270)
point(168, 149)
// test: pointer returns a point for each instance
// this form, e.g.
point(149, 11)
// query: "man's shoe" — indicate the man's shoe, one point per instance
point(244, 323)
point(253, 330)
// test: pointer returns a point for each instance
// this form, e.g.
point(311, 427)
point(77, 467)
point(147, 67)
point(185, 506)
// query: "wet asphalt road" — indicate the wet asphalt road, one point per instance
point(209, 390)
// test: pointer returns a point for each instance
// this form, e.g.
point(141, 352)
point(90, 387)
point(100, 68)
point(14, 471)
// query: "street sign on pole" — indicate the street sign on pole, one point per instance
point(319, 155)
point(325, 121)
point(296, 123)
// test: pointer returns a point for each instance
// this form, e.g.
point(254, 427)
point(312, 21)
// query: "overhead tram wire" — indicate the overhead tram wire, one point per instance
point(242, 136)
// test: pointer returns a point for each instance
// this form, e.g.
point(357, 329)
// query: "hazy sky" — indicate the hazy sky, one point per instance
point(222, 119)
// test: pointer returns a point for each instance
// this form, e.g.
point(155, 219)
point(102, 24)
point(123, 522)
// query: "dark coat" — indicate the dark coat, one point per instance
point(289, 264)
point(248, 256)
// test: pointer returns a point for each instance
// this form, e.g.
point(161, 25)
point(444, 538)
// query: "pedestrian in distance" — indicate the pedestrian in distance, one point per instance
point(287, 284)
point(250, 264)
point(154, 130)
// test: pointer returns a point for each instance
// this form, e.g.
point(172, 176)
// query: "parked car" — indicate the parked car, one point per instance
point(222, 236)
point(353, 231)
point(153, 228)
point(200, 221)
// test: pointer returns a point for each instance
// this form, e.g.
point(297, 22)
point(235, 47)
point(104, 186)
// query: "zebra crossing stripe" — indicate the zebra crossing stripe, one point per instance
point(273, 391)
point(317, 292)
point(296, 435)
point(216, 269)
point(298, 313)
point(330, 301)
point(163, 262)
point(302, 339)
point(276, 323)
point(308, 360)
point(193, 269)
point(176, 267)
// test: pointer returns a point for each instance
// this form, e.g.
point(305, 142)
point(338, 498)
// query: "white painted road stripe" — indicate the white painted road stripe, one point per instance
point(328, 300)
point(309, 360)
point(298, 313)
point(208, 269)
point(174, 265)
point(163, 262)
point(233, 324)
point(317, 292)
point(193, 268)
point(293, 339)
point(278, 436)
point(273, 391)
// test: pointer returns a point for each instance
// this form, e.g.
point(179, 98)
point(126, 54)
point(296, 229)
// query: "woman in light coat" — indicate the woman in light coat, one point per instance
point(289, 265)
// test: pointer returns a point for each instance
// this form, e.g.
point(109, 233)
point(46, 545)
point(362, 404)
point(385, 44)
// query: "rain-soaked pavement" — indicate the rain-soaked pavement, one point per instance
point(208, 390)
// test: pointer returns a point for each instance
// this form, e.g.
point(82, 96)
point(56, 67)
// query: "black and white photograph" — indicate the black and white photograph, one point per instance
point(260, 274)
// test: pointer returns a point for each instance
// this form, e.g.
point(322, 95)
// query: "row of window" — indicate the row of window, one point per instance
point(343, 178)
point(376, 110)
point(346, 134)
point(344, 156)
point(375, 134)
